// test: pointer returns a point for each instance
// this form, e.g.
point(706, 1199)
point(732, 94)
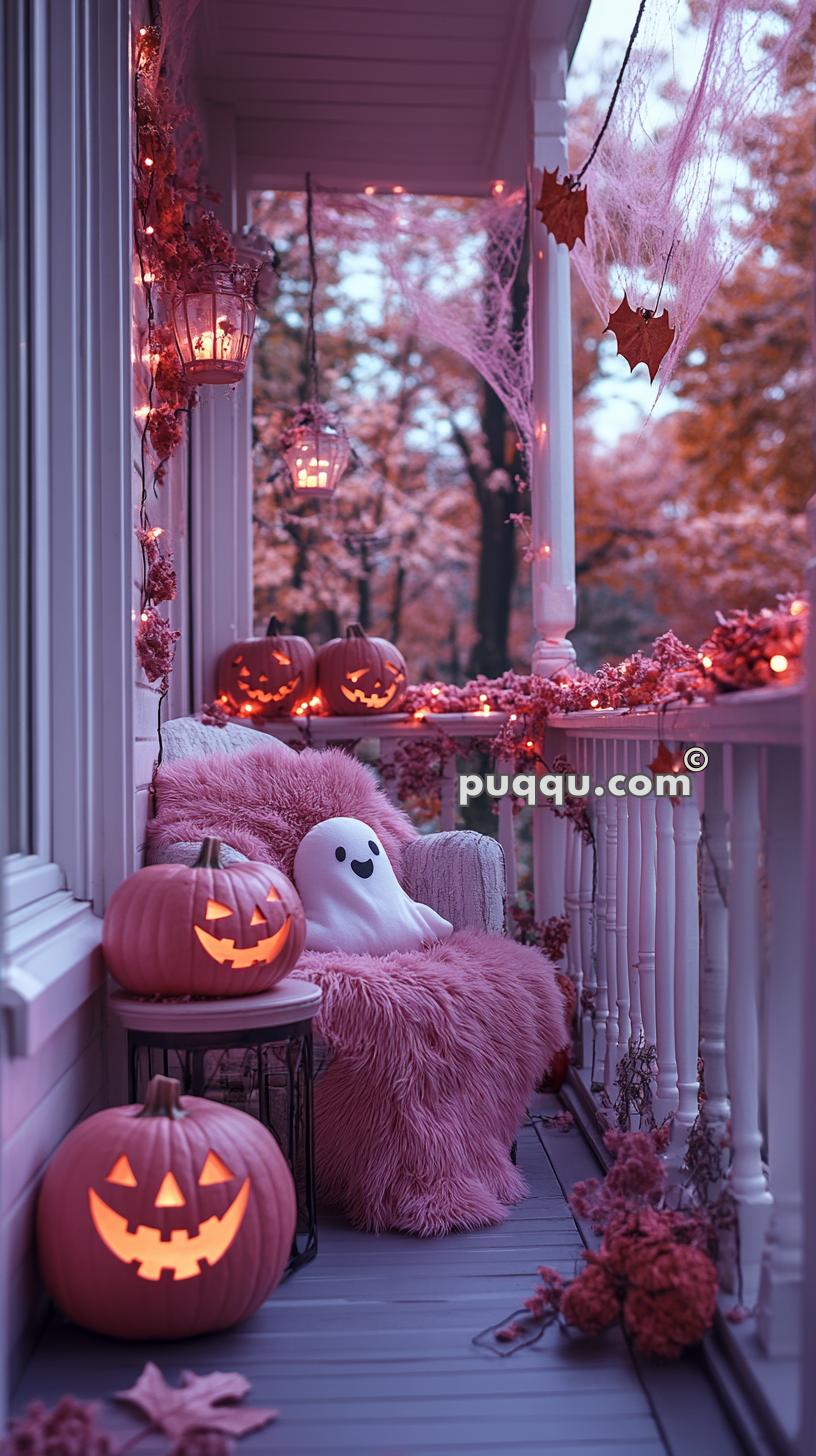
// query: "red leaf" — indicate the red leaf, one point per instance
point(666, 761)
point(563, 207)
point(642, 338)
point(197, 1404)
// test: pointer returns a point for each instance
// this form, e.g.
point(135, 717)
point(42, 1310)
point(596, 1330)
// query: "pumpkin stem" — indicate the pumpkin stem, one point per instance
point(354, 630)
point(210, 856)
point(162, 1099)
point(275, 627)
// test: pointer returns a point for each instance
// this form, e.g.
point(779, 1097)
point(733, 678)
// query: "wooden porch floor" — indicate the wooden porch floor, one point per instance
point(368, 1350)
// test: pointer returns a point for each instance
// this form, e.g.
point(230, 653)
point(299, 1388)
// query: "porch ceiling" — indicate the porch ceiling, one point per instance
point(428, 94)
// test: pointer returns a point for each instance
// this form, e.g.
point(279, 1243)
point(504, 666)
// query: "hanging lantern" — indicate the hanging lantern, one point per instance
point(213, 322)
point(314, 444)
point(316, 449)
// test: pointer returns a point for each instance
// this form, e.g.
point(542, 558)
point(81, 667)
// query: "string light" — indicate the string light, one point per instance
point(398, 190)
point(148, 162)
point(594, 703)
point(779, 662)
point(513, 717)
point(497, 187)
point(369, 191)
point(707, 661)
point(797, 607)
point(148, 277)
point(149, 230)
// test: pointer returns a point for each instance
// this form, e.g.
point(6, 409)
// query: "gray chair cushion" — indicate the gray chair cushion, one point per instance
point(190, 738)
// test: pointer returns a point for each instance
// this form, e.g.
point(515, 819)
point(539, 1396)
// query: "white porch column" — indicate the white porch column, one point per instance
point(808, 1030)
point(551, 481)
point(779, 1313)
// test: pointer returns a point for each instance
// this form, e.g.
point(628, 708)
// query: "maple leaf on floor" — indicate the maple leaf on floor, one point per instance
point(197, 1404)
point(642, 338)
point(563, 207)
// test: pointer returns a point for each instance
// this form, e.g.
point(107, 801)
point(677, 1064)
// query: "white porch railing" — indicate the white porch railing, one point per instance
point(686, 935)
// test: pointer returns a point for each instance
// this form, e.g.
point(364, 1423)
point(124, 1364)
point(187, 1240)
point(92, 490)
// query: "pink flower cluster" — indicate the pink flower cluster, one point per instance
point(155, 647)
point(70, 1429)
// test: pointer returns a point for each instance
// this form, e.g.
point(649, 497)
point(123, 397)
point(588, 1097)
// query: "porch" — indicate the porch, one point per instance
point(370, 1348)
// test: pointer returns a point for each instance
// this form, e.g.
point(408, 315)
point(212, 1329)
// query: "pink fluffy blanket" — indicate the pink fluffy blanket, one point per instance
point(434, 1052)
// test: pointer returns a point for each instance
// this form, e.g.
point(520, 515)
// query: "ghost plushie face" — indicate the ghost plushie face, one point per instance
point(352, 898)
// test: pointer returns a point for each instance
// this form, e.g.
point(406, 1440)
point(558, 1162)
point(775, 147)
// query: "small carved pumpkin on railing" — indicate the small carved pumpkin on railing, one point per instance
point(165, 1221)
point(172, 930)
point(357, 674)
point(265, 677)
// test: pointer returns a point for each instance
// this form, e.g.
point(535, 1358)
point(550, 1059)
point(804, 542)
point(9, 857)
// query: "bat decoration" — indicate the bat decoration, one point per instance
point(641, 338)
point(563, 207)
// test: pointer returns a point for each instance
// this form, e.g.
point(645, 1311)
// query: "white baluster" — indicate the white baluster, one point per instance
point(507, 837)
point(646, 939)
point(587, 875)
point(621, 909)
point(612, 1020)
point(571, 903)
point(714, 965)
point(779, 1311)
point(686, 969)
point(633, 907)
point(602, 992)
point(747, 1178)
point(447, 793)
point(666, 1091)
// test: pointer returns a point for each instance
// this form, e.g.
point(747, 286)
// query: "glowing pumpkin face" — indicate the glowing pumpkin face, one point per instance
point(207, 931)
point(185, 1250)
point(265, 676)
point(359, 674)
point(167, 1220)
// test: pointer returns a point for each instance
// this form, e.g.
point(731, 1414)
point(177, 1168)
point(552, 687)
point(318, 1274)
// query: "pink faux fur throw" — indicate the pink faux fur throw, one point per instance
point(263, 805)
point(435, 1053)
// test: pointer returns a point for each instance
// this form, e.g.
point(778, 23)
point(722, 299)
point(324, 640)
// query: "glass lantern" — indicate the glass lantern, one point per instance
point(317, 454)
point(213, 322)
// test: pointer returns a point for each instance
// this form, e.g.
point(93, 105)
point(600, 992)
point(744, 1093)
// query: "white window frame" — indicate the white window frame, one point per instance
point(65, 253)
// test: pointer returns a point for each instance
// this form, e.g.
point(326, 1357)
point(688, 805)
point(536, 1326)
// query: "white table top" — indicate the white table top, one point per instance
point(291, 1000)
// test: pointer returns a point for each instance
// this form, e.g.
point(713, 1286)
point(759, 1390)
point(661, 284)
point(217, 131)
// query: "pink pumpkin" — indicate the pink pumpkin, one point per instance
point(207, 931)
point(358, 674)
point(165, 1221)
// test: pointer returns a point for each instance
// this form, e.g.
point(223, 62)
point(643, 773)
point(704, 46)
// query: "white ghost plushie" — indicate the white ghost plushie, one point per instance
point(352, 898)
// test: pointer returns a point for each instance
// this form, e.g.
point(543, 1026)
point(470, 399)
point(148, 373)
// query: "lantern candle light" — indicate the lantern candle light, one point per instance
point(316, 450)
point(213, 322)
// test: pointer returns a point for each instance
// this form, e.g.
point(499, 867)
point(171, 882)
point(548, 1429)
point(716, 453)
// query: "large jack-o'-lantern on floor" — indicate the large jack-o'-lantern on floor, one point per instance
point(172, 930)
point(165, 1221)
point(357, 674)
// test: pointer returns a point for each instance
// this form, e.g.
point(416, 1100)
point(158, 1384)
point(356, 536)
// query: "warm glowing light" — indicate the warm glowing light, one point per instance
point(497, 187)
point(707, 661)
point(148, 161)
point(540, 430)
point(486, 708)
point(145, 617)
point(314, 702)
point(141, 412)
point(513, 717)
point(797, 607)
point(420, 714)
point(169, 1194)
point(545, 550)
point(148, 277)
point(143, 30)
point(213, 322)
point(248, 708)
point(435, 692)
point(594, 703)
point(779, 662)
point(530, 743)
point(398, 190)
point(541, 252)
point(369, 191)
point(223, 698)
point(149, 230)
point(183, 1253)
point(155, 532)
point(483, 697)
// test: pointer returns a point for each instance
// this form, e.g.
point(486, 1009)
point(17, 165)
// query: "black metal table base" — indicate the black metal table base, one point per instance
point(265, 1071)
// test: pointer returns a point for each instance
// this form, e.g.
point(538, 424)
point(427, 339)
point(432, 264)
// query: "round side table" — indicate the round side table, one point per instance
point(254, 1052)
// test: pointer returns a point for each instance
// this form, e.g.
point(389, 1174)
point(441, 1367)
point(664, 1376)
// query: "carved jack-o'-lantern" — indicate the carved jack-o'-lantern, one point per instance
point(357, 674)
point(207, 931)
point(165, 1221)
point(265, 676)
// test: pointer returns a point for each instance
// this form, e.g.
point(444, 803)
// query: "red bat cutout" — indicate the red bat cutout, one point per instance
point(642, 338)
point(563, 207)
